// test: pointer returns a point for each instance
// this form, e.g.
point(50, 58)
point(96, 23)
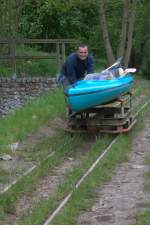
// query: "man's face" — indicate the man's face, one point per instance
point(82, 52)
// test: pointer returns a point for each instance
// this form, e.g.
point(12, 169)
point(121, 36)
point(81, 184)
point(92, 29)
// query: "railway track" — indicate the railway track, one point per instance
point(30, 170)
point(100, 157)
point(77, 185)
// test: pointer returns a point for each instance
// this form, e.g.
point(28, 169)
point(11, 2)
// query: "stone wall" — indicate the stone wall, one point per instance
point(14, 93)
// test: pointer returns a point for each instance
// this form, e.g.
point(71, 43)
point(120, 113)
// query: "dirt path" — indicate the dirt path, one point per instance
point(124, 196)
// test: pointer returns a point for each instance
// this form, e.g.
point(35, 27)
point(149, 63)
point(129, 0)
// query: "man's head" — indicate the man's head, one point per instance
point(82, 52)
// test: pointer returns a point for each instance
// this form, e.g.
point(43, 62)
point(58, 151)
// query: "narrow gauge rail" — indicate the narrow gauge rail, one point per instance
point(83, 177)
point(28, 172)
point(100, 157)
point(25, 173)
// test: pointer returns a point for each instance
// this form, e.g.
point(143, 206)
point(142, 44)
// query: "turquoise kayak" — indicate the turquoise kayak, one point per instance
point(85, 94)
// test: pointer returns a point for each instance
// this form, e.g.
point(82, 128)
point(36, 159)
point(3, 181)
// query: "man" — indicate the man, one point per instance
point(76, 66)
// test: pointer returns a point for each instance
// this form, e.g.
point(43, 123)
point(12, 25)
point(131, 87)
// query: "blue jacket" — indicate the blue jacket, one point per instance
point(75, 69)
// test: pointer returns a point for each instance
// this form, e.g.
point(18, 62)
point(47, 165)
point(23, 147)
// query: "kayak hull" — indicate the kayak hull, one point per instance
point(90, 93)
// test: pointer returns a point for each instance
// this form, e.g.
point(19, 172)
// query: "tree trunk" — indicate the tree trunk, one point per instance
point(123, 34)
point(18, 8)
point(105, 34)
point(130, 33)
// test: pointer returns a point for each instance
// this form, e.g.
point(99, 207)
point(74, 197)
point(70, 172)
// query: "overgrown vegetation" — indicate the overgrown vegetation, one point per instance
point(17, 125)
point(51, 19)
point(26, 121)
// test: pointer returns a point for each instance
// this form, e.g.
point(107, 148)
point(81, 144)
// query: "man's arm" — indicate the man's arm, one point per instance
point(70, 69)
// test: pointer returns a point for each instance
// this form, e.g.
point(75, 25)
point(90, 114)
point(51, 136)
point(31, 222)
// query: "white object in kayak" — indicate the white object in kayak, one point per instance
point(130, 70)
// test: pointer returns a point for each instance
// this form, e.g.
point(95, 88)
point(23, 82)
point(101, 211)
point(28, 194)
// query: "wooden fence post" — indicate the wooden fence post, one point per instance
point(58, 56)
point(13, 58)
point(63, 52)
point(23, 61)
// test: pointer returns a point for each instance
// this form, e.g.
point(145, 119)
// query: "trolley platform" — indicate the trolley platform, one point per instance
point(114, 117)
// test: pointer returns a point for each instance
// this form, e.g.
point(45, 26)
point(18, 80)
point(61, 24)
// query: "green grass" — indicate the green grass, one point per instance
point(83, 197)
point(45, 207)
point(5, 71)
point(62, 147)
point(41, 67)
point(3, 176)
point(18, 125)
point(37, 67)
point(144, 218)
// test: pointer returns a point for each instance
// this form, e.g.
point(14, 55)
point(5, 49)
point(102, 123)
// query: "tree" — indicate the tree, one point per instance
point(126, 33)
point(10, 16)
point(123, 33)
point(131, 22)
point(102, 16)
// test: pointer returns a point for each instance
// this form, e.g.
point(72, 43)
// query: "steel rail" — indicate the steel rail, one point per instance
point(66, 199)
point(25, 173)
point(80, 180)
point(29, 170)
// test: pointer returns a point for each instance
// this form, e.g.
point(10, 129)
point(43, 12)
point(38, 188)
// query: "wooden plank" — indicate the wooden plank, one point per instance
point(58, 56)
point(28, 57)
point(38, 41)
point(13, 57)
point(63, 52)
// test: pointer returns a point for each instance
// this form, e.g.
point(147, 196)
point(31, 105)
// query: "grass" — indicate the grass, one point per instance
point(3, 176)
point(43, 67)
point(144, 218)
point(16, 126)
point(27, 120)
point(83, 197)
point(34, 68)
point(45, 207)
point(40, 67)
point(28, 183)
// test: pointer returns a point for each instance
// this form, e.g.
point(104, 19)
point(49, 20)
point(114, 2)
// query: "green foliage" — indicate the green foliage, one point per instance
point(62, 19)
point(75, 19)
point(30, 24)
point(141, 41)
point(146, 60)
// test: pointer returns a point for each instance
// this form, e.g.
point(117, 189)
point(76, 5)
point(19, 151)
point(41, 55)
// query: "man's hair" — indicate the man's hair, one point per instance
point(81, 46)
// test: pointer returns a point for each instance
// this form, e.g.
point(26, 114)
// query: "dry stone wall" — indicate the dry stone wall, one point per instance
point(15, 93)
